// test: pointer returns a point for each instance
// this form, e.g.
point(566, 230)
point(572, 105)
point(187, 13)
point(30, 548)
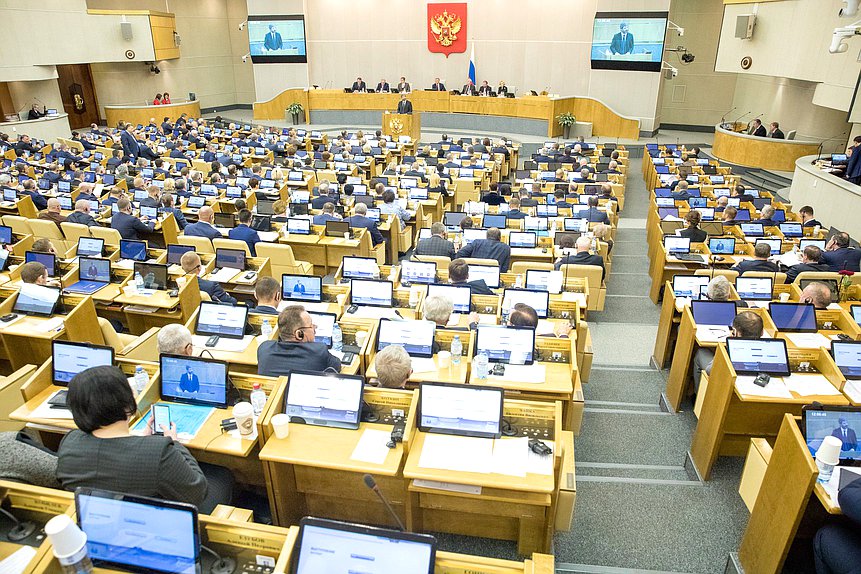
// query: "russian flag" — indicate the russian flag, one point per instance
point(472, 65)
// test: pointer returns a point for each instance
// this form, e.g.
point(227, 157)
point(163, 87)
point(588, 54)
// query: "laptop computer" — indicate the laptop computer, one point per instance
point(754, 288)
point(90, 247)
point(301, 288)
point(94, 273)
point(819, 421)
point(371, 292)
point(68, 359)
point(535, 298)
point(36, 300)
point(793, 317)
point(49, 260)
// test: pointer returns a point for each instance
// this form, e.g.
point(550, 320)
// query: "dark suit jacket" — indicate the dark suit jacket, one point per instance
point(215, 292)
point(488, 249)
point(273, 41)
point(435, 245)
point(359, 87)
point(319, 201)
point(811, 223)
point(322, 218)
point(39, 200)
point(793, 272)
point(478, 287)
point(760, 132)
point(265, 310)
point(596, 215)
point(516, 213)
point(755, 265)
point(697, 235)
point(201, 229)
point(618, 46)
point(777, 134)
point(405, 107)
point(469, 89)
point(367, 223)
point(851, 440)
point(485, 91)
point(129, 226)
point(130, 146)
point(382, 87)
point(844, 258)
point(276, 358)
point(244, 233)
point(583, 258)
point(438, 87)
point(82, 218)
point(492, 198)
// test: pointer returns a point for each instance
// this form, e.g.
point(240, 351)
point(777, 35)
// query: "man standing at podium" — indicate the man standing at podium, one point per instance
point(272, 41)
point(405, 106)
point(623, 42)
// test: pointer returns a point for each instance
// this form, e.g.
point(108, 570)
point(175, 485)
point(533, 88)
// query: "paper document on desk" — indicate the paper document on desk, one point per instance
point(16, 563)
point(852, 389)
point(682, 302)
point(540, 464)
point(808, 340)
point(712, 333)
point(268, 236)
point(808, 384)
point(510, 455)
point(141, 309)
point(453, 320)
point(46, 411)
point(224, 275)
point(775, 388)
point(788, 259)
point(372, 446)
point(545, 327)
point(224, 344)
point(459, 453)
point(188, 419)
point(534, 373)
point(574, 297)
point(423, 365)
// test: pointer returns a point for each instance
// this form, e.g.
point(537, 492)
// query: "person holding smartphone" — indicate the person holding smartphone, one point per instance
point(103, 454)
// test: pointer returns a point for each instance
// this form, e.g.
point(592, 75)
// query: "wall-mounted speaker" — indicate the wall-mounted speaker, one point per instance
point(126, 29)
point(744, 25)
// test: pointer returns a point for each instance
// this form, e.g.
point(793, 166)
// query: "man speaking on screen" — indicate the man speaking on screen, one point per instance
point(623, 42)
point(273, 39)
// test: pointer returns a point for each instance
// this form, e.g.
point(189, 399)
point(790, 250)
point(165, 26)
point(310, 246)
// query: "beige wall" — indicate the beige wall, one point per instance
point(698, 96)
point(209, 65)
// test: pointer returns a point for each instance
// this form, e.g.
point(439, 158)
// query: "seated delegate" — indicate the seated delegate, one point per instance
point(101, 453)
point(746, 324)
point(295, 348)
point(394, 367)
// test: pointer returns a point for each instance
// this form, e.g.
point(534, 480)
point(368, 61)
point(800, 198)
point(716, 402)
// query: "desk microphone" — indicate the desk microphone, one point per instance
point(739, 118)
point(222, 564)
point(723, 117)
point(20, 530)
point(823, 142)
point(372, 484)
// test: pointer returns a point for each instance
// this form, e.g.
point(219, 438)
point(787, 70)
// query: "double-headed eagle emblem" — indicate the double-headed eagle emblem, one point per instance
point(445, 28)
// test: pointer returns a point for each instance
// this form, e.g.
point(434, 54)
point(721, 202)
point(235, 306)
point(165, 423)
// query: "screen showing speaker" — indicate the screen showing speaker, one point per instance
point(277, 39)
point(628, 40)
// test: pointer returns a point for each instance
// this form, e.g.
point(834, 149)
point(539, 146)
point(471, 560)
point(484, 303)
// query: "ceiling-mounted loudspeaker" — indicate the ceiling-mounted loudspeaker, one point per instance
point(744, 26)
point(126, 29)
point(668, 74)
point(177, 39)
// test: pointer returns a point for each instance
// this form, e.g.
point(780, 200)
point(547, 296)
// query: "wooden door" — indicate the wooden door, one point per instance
point(79, 95)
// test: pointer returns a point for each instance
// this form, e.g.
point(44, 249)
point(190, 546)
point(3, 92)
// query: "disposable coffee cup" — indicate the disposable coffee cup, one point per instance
point(69, 542)
point(444, 359)
point(360, 337)
point(243, 413)
point(784, 297)
point(827, 457)
point(415, 290)
point(347, 235)
point(281, 425)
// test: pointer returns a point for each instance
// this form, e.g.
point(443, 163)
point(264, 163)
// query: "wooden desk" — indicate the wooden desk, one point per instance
point(762, 153)
point(37, 505)
point(142, 114)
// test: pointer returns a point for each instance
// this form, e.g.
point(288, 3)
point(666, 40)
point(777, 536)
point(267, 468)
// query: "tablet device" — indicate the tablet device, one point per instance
point(716, 313)
point(359, 267)
point(193, 380)
point(818, 422)
point(689, 286)
point(154, 275)
point(324, 324)
point(459, 295)
point(754, 288)
point(793, 317)
point(751, 356)
point(222, 320)
point(331, 400)
point(523, 239)
point(493, 220)
point(722, 245)
point(464, 410)
point(90, 247)
point(175, 252)
point(847, 357)
point(69, 358)
point(230, 258)
point(419, 271)
point(371, 292)
point(134, 250)
point(539, 300)
point(36, 300)
point(416, 337)
point(299, 226)
point(489, 273)
point(514, 345)
point(49, 260)
point(302, 288)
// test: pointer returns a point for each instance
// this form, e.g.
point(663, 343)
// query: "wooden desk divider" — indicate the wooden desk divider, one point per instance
point(568, 310)
point(833, 321)
point(487, 304)
point(444, 337)
point(21, 243)
point(11, 398)
point(336, 293)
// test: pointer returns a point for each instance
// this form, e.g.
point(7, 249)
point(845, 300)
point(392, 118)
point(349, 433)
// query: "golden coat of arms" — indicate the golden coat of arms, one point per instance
point(396, 126)
point(445, 28)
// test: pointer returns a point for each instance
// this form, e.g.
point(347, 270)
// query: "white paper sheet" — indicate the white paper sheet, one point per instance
point(808, 340)
point(224, 275)
point(509, 455)
point(45, 411)
point(545, 327)
point(807, 384)
point(423, 365)
point(852, 389)
point(224, 344)
point(571, 296)
point(775, 388)
point(372, 446)
point(712, 333)
point(17, 562)
point(538, 464)
point(534, 373)
point(464, 454)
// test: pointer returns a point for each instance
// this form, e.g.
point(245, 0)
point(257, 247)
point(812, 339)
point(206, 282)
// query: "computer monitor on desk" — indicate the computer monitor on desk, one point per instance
point(847, 357)
point(690, 286)
point(371, 292)
point(513, 345)
point(69, 358)
point(754, 288)
point(324, 400)
point(302, 288)
point(538, 299)
point(793, 317)
point(459, 295)
point(460, 410)
point(416, 337)
point(758, 355)
point(715, 313)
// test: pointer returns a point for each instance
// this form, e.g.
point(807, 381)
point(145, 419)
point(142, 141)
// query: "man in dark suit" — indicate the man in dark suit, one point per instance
point(29, 188)
point(404, 86)
point(203, 227)
point(437, 86)
point(167, 206)
point(840, 255)
point(273, 40)
point(383, 86)
point(757, 129)
point(514, 209)
point(593, 214)
point(623, 41)
point(166, 128)
point(583, 256)
point(129, 143)
point(359, 86)
point(25, 144)
point(190, 263)
point(295, 347)
point(807, 219)
point(742, 195)
point(405, 106)
point(267, 292)
point(243, 231)
point(846, 435)
point(485, 89)
point(775, 132)
point(129, 226)
point(82, 215)
point(327, 215)
point(458, 274)
point(189, 382)
point(766, 217)
point(114, 160)
point(490, 248)
point(436, 244)
point(760, 261)
point(469, 89)
point(153, 198)
point(361, 219)
point(837, 545)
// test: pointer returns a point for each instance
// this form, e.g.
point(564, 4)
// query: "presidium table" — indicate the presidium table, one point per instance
point(535, 115)
point(732, 146)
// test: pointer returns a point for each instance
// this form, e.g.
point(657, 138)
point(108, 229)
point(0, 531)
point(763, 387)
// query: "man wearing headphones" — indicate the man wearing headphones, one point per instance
point(295, 347)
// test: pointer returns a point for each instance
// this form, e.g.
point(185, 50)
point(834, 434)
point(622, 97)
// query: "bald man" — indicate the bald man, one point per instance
point(52, 212)
point(203, 227)
point(583, 256)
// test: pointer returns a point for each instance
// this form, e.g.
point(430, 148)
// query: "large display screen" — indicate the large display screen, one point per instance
point(277, 39)
point(628, 41)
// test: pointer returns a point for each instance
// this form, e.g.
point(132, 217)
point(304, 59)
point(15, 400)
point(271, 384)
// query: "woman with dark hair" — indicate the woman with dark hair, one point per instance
point(103, 454)
point(693, 230)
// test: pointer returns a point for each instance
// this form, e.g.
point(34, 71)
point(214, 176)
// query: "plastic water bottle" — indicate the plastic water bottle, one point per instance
point(456, 350)
point(266, 329)
point(481, 369)
point(139, 283)
point(258, 399)
point(141, 379)
point(337, 338)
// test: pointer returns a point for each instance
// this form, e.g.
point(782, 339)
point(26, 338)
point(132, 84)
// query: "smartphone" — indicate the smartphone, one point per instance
point(160, 417)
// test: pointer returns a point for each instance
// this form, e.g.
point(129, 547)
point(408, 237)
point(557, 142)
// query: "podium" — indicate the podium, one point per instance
point(396, 125)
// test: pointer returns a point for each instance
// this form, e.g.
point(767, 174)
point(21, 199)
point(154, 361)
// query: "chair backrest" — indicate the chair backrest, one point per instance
point(111, 236)
point(728, 273)
point(221, 243)
point(45, 228)
point(110, 335)
point(19, 225)
point(477, 261)
point(442, 262)
point(791, 135)
point(200, 244)
point(593, 274)
point(74, 231)
point(818, 276)
point(778, 277)
point(280, 258)
point(521, 267)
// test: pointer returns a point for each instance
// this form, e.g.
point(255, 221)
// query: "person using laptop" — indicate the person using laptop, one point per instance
point(101, 453)
point(81, 215)
point(243, 232)
point(745, 324)
point(175, 339)
point(129, 226)
point(458, 274)
point(327, 215)
point(721, 204)
point(35, 273)
point(811, 260)
point(43, 245)
point(692, 219)
point(583, 255)
point(438, 309)
point(295, 347)
point(437, 244)
point(522, 315)
point(729, 214)
point(816, 293)
point(394, 367)
point(492, 197)
point(168, 206)
point(267, 292)
point(152, 198)
point(360, 219)
point(760, 262)
point(392, 207)
point(490, 248)
point(740, 192)
point(203, 227)
point(53, 212)
point(766, 217)
point(191, 264)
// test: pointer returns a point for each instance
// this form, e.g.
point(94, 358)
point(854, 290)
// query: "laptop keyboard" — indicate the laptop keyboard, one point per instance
point(689, 257)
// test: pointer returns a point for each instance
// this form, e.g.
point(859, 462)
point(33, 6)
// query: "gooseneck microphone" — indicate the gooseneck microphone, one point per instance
point(372, 484)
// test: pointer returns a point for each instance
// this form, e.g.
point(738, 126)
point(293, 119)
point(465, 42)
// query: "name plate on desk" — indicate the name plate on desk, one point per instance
point(448, 486)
